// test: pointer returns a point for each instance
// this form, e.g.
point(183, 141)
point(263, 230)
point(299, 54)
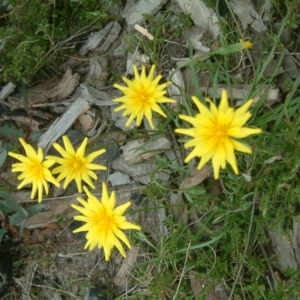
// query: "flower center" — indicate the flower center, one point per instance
point(37, 169)
point(221, 131)
point(78, 163)
point(144, 96)
point(106, 222)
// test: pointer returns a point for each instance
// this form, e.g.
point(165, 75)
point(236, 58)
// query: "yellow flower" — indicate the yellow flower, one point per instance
point(232, 48)
point(104, 222)
point(33, 170)
point(245, 44)
point(74, 165)
point(215, 133)
point(142, 96)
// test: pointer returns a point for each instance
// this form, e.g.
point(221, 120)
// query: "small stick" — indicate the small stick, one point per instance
point(143, 31)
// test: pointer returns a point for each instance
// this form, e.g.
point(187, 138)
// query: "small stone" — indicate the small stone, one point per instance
point(134, 12)
point(118, 178)
point(140, 172)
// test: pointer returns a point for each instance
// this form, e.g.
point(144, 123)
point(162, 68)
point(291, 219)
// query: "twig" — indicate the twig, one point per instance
point(70, 255)
point(215, 256)
point(58, 290)
point(24, 297)
point(262, 248)
point(183, 270)
point(89, 275)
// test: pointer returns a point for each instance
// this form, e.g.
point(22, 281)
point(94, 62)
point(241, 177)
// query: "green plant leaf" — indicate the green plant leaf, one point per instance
point(4, 207)
point(11, 202)
point(3, 155)
point(143, 238)
point(35, 135)
point(11, 131)
point(16, 219)
point(35, 209)
point(201, 245)
point(2, 232)
point(22, 227)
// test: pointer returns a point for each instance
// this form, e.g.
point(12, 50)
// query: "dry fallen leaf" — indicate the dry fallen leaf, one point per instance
point(66, 86)
point(54, 89)
point(128, 263)
point(196, 177)
point(138, 150)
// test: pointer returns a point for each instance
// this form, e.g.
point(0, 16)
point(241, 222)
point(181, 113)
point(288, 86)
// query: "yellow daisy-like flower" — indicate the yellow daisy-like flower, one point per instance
point(215, 133)
point(245, 44)
point(232, 48)
point(34, 170)
point(74, 165)
point(104, 222)
point(142, 96)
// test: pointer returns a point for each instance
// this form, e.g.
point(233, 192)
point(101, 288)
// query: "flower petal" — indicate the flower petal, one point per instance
point(241, 147)
point(224, 102)
point(81, 150)
point(241, 132)
point(68, 145)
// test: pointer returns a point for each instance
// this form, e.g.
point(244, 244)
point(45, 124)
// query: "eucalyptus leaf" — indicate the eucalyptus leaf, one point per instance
point(11, 202)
